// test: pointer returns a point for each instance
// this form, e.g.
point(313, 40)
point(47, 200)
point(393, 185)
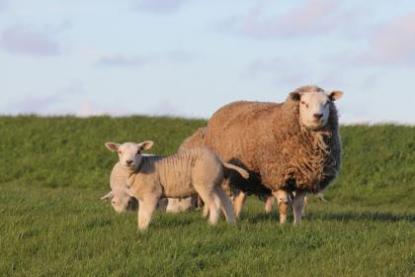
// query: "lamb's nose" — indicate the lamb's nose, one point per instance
point(318, 115)
point(129, 162)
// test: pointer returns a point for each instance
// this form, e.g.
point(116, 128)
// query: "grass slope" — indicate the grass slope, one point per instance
point(53, 171)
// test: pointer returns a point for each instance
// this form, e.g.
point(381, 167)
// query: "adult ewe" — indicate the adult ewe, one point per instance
point(195, 171)
point(291, 147)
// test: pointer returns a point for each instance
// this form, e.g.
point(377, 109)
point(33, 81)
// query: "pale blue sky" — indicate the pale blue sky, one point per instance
point(190, 57)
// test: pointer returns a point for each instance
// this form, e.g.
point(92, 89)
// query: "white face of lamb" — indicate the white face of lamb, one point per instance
point(129, 153)
point(120, 200)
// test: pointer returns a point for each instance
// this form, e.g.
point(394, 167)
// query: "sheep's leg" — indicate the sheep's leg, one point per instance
point(269, 201)
point(145, 212)
point(226, 205)
point(298, 206)
point(304, 206)
point(205, 212)
point(283, 200)
point(238, 203)
point(209, 200)
point(173, 205)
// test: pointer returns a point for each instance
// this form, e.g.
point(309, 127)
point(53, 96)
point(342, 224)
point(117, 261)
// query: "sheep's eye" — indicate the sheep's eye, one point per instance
point(119, 152)
point(304, 103)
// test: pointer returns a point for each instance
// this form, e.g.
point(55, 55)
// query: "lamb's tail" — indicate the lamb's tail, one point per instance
point(320, 196)
point(240, 170)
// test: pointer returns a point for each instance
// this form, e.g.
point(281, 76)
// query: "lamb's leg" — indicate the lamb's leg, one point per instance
point(205, 212)
point(145, 212)
point(304, 206)
point(238, 203)
point(172, 205)
point(226, 205)
point(298, 206)
point(209, 200)
point(269, 201)
point(283, 200)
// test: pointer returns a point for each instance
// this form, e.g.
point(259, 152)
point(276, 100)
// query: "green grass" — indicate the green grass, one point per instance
point(53, 171)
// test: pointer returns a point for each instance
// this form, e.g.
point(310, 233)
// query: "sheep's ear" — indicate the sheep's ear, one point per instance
point(335, 95)
point(296, 96)
point(109, 195)
point(146, 145)
point(113, 147)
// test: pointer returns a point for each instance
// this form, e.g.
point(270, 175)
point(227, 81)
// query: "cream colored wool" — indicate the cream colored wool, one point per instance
point(181, 175)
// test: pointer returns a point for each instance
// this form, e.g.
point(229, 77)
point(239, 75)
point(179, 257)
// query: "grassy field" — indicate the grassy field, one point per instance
point(52, 223)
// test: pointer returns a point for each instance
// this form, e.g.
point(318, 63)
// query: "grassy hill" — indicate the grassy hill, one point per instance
point(53, 171)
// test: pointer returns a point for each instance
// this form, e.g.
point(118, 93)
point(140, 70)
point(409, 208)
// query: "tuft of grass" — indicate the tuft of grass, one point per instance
point(54, 170)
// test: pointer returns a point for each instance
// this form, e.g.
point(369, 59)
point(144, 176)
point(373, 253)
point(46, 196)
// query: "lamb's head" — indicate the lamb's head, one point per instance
point(129, 153)
point(121, 200)
point(314, 105)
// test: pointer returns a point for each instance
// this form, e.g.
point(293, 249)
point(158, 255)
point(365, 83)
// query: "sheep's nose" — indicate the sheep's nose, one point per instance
point(129, 162)
point(318, 115)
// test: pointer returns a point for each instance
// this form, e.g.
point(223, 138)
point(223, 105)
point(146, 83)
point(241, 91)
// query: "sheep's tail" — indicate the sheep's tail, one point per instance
point(240, 170)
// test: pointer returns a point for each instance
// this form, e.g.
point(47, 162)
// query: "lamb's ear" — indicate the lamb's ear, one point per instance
point(109, 195)
point(146, 145)
point(113, 147)
point(335, 95)
point(296, 96)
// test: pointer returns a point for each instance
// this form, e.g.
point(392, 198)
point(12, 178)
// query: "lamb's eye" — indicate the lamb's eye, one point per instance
point(119, 152)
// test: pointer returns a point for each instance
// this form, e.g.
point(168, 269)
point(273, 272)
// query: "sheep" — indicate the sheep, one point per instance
point(180, 175)
point(290, 148)
point(197, 139)
point(121, 201)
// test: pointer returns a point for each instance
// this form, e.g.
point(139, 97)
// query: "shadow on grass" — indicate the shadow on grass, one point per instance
point(260, 217)
point(172, 220)
point(335, 216)
point(362, 216)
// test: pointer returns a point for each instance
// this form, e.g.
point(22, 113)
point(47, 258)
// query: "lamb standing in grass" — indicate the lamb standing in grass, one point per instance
point(184, 174)
point(120, 199)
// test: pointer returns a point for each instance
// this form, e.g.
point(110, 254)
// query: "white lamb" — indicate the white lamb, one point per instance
point(180, 175)
point(121, 200)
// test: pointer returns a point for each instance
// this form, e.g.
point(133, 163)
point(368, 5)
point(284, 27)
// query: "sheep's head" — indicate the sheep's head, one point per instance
point(121, 200)
point(129, 153)
point(314, 105)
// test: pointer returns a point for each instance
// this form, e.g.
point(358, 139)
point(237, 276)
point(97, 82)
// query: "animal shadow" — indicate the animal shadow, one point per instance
point(362, 216)
point(336, 216)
